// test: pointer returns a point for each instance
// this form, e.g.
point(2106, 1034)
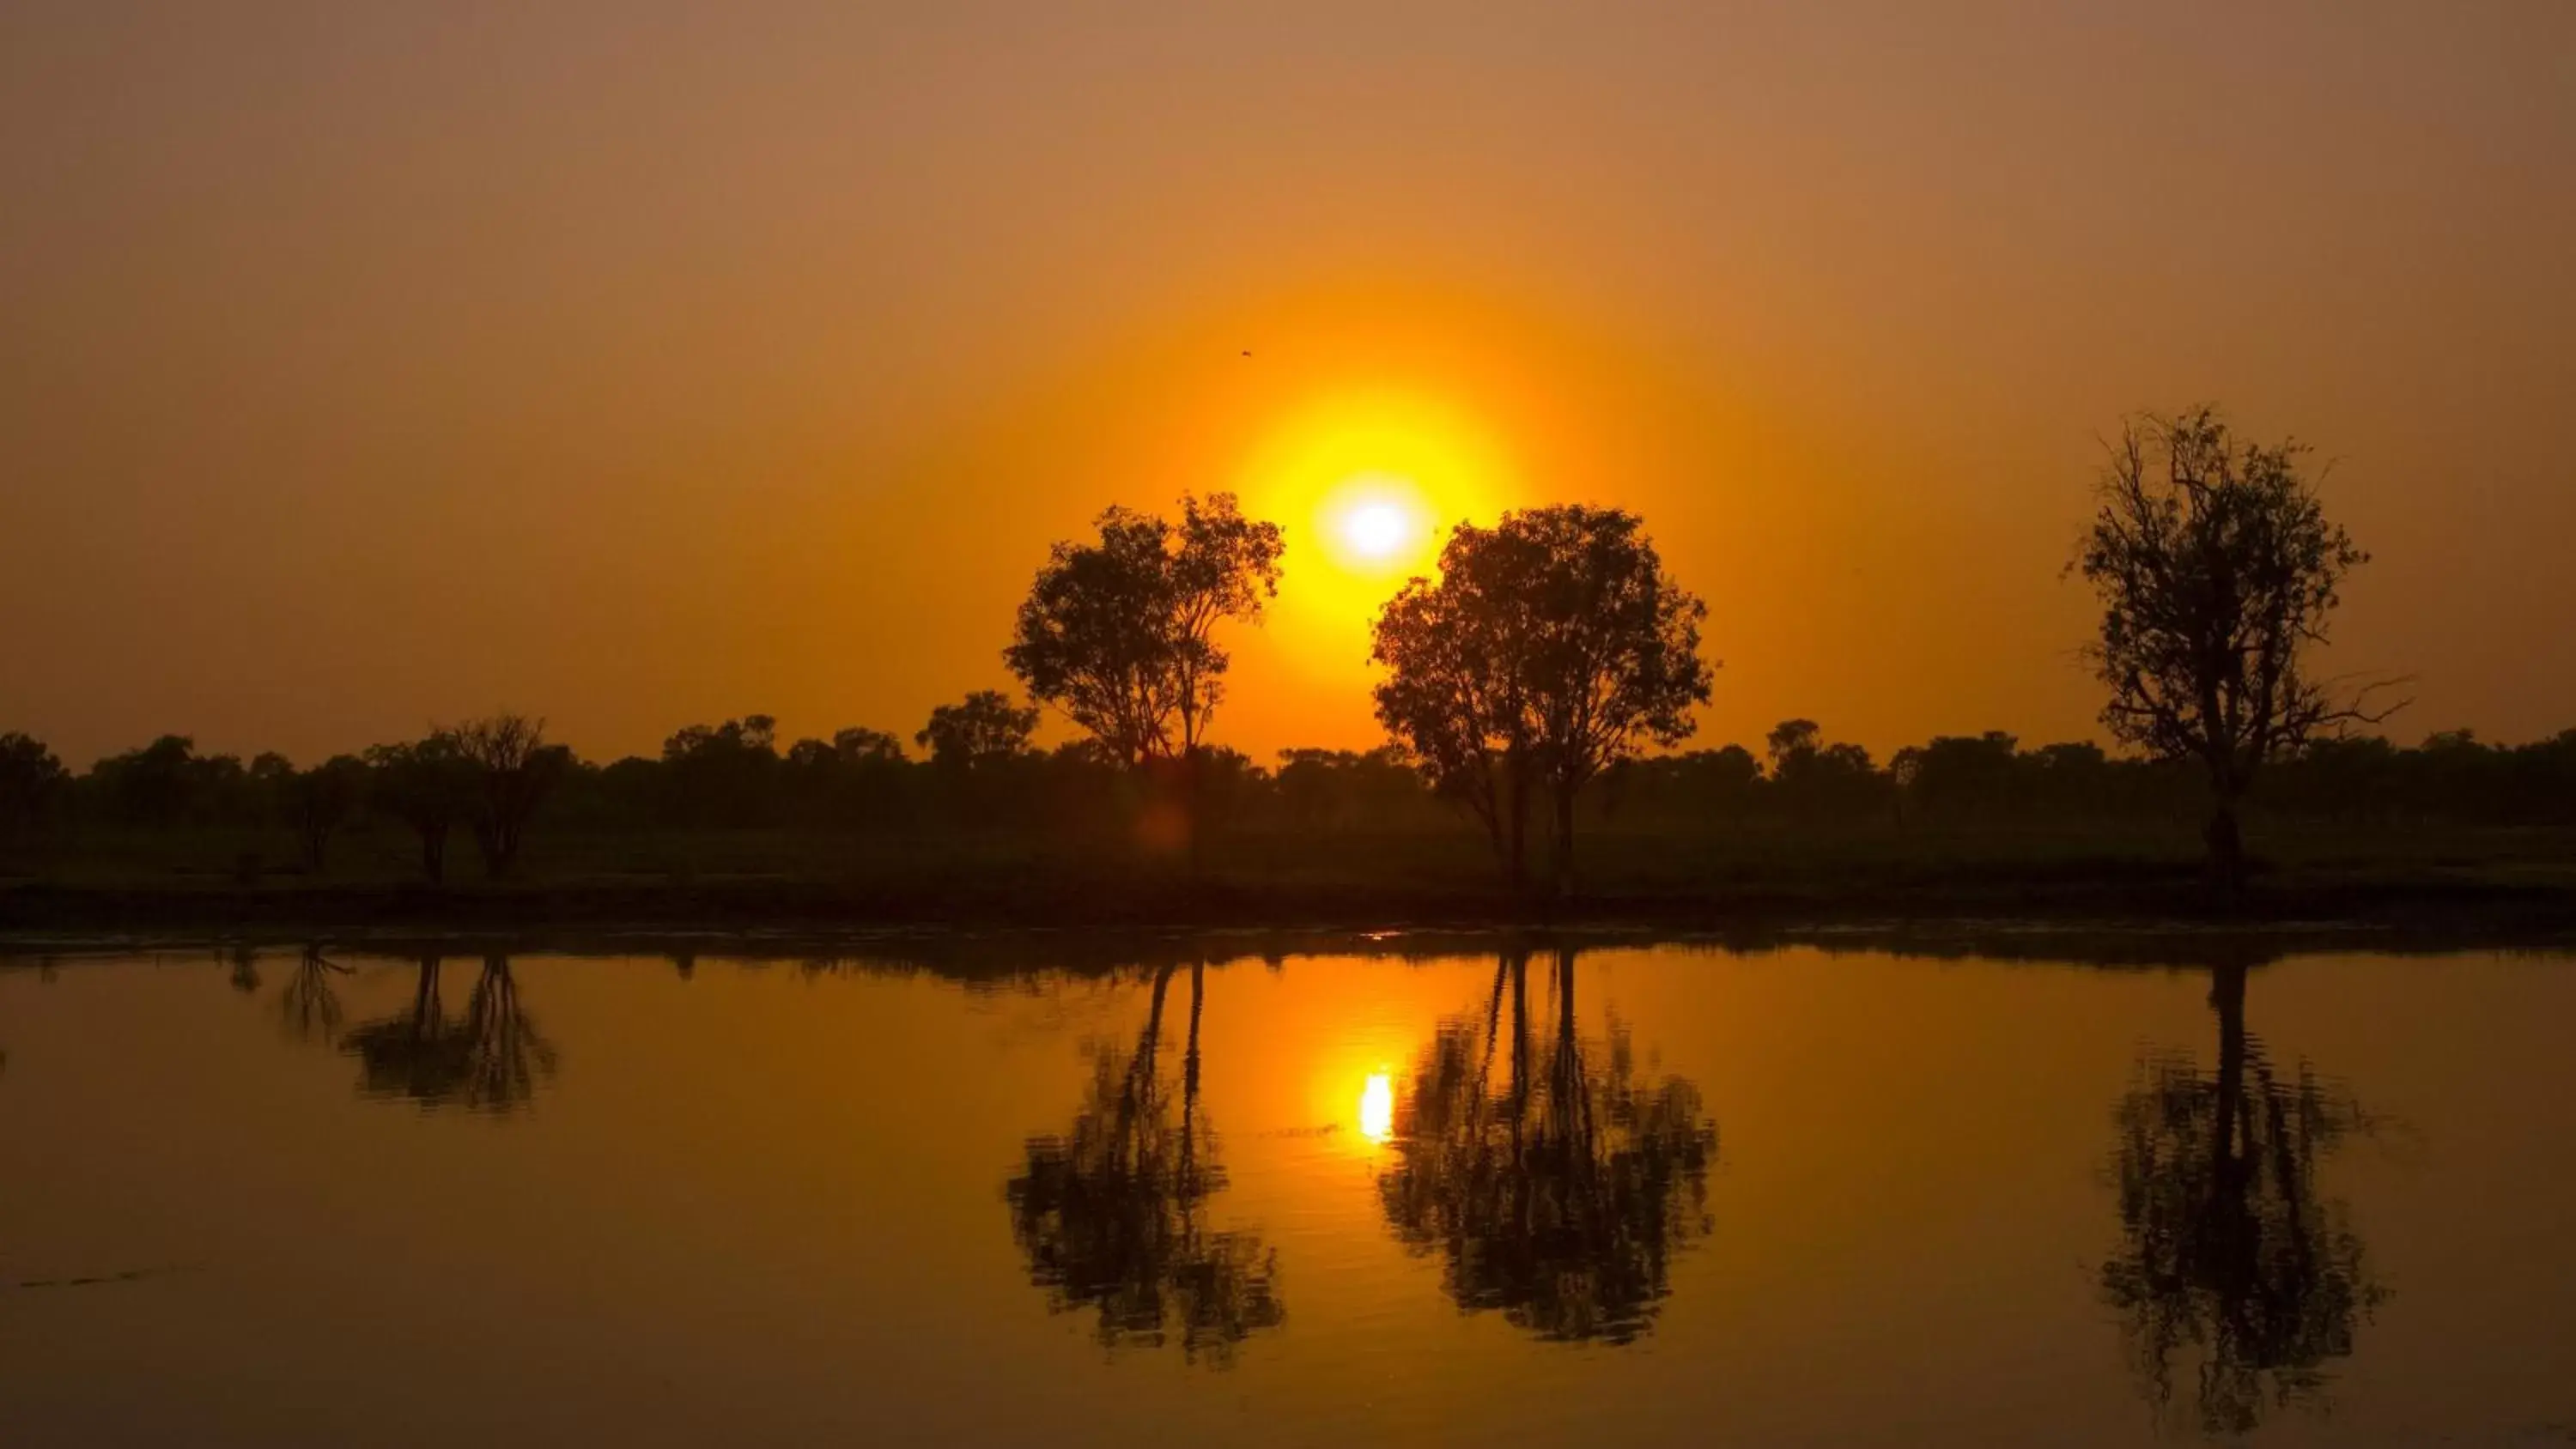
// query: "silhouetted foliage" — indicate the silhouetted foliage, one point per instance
point(2217, 569)
point(2228, 1250)
point(1553, 647)
point(1338, 789)
point(428, 785)
point(1112, 1214)
point(1947, 788)
point(1559, 1193)
point(861, 746)
point(317, 802)
point(722, 774)
point(1813, 777)
point(979, 730)
point(167, 783)
point(1121, 634)
point(33, 784)
point(514, 770)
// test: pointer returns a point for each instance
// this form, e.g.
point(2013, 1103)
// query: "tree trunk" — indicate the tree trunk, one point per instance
point(1193, 813)
point(499, 841)
point(1562, 857)
point(433, 854)
point(2226, 846)
point(1516, 842)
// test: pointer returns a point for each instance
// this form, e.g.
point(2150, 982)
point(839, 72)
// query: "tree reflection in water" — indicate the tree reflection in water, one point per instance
point(2226, 1248)
point(245, 970)
point(493, 1059)
point(1560, 1194)
point(308, 1007)
point(1112, 1214)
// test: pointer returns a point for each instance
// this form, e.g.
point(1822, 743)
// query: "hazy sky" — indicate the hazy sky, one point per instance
point(636, 364)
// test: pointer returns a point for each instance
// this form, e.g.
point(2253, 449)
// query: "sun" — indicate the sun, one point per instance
point(1376, 530)
point(1375, 523)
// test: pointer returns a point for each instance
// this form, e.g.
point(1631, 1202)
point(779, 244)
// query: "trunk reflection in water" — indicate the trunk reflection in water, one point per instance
point(1557, 1191)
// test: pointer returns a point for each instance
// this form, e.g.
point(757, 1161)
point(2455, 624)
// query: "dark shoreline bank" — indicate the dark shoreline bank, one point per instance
point(2409, 910)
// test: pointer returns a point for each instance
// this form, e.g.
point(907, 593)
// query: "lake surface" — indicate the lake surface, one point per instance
point(1074, 1193)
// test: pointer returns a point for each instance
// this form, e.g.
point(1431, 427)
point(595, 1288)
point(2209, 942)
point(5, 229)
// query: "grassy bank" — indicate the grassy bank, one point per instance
point(2482, 882)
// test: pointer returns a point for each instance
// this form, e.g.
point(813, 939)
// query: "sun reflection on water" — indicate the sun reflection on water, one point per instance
point(1377, 1108)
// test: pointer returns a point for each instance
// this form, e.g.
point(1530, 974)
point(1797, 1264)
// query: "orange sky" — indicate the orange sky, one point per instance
point(640, 364)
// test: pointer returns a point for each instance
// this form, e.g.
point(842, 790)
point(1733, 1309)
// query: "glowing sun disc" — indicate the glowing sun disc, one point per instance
point(1376, 530)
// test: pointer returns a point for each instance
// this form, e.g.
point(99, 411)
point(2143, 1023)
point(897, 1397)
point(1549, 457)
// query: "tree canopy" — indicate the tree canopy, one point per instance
point(1120, 633)
point(982, 727)
point(1552, 647)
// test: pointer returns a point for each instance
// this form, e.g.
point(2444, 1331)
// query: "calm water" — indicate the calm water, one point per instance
point(1650, 1196)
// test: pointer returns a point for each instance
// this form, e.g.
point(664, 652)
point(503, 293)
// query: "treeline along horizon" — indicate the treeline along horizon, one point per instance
point(988, 778)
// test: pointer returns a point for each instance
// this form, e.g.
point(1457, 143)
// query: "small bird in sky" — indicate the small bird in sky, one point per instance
point(1247, 352)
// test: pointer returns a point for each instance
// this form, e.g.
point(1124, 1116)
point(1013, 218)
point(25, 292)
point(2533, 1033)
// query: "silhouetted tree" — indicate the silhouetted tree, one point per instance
point(165, 783)
point(318, 801)
point(427, 784)
point(1617, 662)
point(722, 774)
point(2217, 568)
point(1560, 1195)
point(869, 778)
point(1112, 1213)
point(1121, 634)
point(981, 728)
point(2227, 1247)
point(1570, 649)
point(514, 769)
point(1960, 774)
point(1811, 776)
point(862, 746)
point(32, 783)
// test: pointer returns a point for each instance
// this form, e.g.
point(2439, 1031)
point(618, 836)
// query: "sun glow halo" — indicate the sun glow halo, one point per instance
point(1366, 486)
